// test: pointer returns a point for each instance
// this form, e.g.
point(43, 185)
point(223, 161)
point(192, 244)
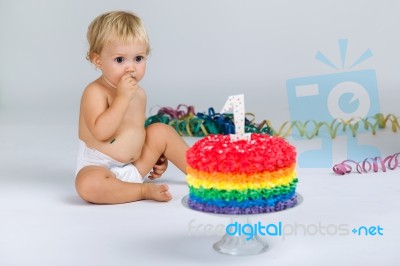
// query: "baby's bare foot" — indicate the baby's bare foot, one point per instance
point(156, 192)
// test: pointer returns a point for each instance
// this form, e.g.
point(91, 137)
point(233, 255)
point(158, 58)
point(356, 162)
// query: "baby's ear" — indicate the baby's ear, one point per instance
point(96, 60)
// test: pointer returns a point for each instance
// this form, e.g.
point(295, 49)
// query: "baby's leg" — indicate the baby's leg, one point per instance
point(162, 139)
point(99, 185)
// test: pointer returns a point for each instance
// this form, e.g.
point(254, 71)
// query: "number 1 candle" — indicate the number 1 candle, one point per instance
point(236, 103)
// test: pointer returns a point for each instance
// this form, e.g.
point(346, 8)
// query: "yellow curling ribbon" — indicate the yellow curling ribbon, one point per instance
point(373, 124)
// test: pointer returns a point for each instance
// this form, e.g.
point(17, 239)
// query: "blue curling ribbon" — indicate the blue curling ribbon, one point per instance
point(226, 124)
point(222, 122)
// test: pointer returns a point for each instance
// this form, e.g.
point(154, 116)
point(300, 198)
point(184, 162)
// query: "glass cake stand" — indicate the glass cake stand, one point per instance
point(240, 244)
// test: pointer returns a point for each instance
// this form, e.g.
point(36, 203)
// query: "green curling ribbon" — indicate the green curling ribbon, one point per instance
point(157, 119)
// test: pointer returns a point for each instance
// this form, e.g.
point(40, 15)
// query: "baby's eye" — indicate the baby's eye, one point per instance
point(139, 58)
point(119, 59)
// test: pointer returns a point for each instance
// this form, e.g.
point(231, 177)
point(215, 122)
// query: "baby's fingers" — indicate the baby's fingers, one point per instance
point(153, 175)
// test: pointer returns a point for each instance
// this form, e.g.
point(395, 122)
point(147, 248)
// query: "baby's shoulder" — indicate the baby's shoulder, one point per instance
point(95, 88)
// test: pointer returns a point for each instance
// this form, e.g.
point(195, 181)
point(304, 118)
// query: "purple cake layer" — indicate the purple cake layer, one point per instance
point(236, 210)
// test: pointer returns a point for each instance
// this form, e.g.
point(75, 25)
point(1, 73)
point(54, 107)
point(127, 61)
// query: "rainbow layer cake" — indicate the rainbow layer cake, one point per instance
point(241, 177)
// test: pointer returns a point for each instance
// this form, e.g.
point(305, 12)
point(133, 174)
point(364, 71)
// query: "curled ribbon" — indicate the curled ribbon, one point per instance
point(223, 122)
point(311, 128)
point(188, 123)
point(178, 113)
point(369, 164)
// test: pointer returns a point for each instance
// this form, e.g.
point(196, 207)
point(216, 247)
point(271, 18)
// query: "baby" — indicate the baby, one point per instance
point(116, 150)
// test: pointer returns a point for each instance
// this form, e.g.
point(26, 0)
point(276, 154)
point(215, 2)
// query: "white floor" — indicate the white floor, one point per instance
point(44, 222)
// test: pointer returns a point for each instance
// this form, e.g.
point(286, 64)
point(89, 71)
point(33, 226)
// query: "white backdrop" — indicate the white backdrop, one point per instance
point(202, 51)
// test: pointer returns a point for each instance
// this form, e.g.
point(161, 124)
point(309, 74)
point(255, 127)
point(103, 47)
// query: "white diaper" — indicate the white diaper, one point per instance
point(123, 171)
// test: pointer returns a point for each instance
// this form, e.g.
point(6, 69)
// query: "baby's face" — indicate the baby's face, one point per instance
point(118, 58)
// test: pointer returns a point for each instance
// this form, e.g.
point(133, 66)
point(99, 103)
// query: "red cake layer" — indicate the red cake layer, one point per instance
point(216, 153)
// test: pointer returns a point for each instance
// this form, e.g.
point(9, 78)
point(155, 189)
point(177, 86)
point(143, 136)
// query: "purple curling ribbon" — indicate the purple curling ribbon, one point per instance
point(178, 112)
point(369, 164)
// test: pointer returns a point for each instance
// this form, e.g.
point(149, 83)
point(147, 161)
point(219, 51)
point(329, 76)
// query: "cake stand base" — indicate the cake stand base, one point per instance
point(240, 246)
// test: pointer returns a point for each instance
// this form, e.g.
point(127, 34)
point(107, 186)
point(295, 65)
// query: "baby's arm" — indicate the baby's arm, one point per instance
point(102, 119)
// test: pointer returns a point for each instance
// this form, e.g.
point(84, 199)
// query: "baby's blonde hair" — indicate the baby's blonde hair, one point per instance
point(116, 25)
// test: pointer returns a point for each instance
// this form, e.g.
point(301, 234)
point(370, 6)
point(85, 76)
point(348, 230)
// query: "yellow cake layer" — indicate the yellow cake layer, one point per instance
point(241, 177)
point(220, 181)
